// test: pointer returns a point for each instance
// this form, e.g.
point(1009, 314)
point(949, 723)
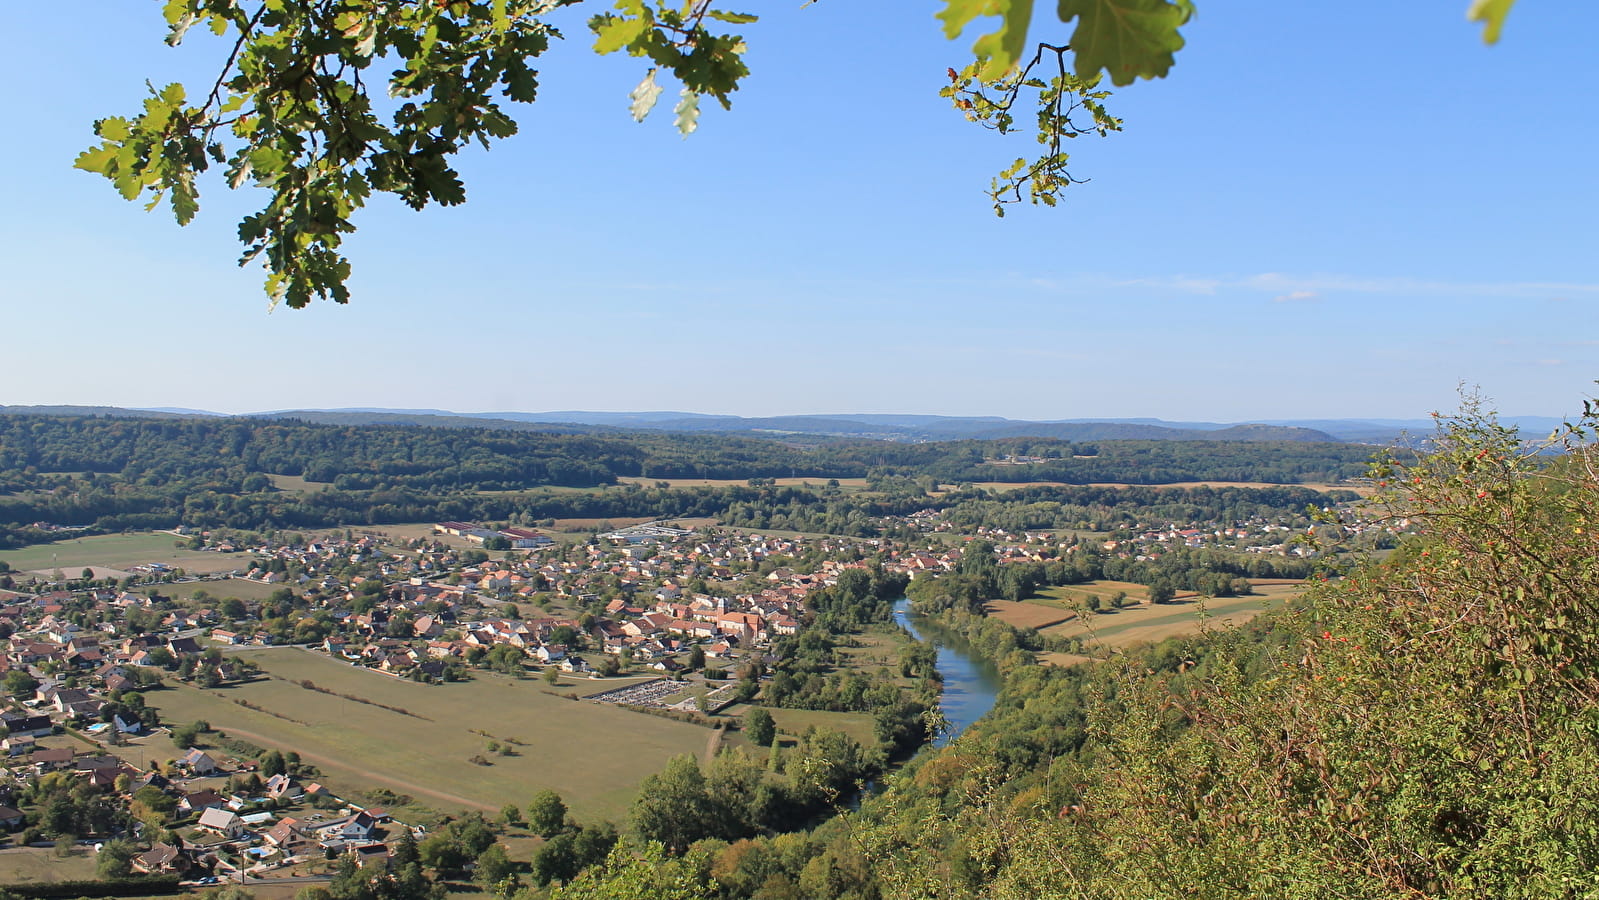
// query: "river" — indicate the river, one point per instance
point(970, 684)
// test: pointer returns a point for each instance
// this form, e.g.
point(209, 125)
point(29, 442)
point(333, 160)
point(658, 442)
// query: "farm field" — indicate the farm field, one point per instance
point(848, 484)
point(1069, 597)
point(594, 754)
point(120, 551)
point(1361, 489)
point(1139, 622)
point(1023, 614)
point(1185, 615)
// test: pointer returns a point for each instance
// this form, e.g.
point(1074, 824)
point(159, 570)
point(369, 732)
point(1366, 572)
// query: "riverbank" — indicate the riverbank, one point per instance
point(971, 683)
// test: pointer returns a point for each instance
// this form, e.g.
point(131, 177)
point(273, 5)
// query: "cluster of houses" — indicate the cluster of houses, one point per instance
point(649, 626)
point(1259, 535)
point(256, 830)
point(424, 623)
point(231, 829)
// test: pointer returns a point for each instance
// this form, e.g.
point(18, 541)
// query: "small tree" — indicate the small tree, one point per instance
point(493, 867)
point(115, 860)
point(760, 727)
point(552, 675)
point(185, 736)
point(546, 814)
point(18, 681)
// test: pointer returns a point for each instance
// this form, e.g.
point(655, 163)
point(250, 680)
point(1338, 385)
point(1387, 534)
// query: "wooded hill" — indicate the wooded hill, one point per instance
point(120, 473)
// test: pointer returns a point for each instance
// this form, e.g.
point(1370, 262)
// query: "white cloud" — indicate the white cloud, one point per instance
point(1297, 297)
point(1186, 283)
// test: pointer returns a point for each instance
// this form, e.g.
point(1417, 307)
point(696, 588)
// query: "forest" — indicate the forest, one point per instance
point(112, 474)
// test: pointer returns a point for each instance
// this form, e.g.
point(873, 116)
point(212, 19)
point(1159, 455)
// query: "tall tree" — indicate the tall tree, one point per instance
point(673, 807)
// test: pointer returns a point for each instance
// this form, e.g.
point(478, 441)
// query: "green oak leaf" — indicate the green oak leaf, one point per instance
point(958, 14)
point(115, 129)
point(612, 33)
point(1128, 39)
point(1492, 14)
point(1001, 48)
point(185, 201)
point(99, 159)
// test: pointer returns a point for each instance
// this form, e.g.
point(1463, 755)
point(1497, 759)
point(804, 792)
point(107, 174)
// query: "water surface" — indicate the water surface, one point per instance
point(971, 684)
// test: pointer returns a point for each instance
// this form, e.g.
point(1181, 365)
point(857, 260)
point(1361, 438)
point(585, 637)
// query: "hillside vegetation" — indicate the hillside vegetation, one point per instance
point(1423, 727)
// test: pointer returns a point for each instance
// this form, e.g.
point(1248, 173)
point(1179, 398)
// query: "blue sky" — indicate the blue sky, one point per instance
point(1328, 210)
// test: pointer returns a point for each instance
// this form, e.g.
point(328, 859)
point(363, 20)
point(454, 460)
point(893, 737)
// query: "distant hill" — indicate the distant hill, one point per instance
point(929, 428)
point(861, 426)
point(179, 411)
point(421, 419)
point(618, 419)
point(1128, 431)
point(116, 412)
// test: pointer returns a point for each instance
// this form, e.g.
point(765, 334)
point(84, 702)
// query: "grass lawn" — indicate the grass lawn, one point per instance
point(594, 754)
point(589, 524)
point(221, 590)
point(794, 722)
point(784, 533)
point(120, 551)
point(587, 687)
point(294, 484)
point(876, 649)
point(406, 531)
point(32, 865)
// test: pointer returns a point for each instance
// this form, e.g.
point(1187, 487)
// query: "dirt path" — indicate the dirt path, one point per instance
point(409, 787)
point(713, 744)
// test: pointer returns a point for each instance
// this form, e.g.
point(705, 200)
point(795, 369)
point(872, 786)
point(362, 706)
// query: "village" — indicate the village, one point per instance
point(644, 600)
point(659, 606)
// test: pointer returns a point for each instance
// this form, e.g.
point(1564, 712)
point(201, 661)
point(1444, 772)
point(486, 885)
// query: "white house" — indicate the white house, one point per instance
point(224, 822)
